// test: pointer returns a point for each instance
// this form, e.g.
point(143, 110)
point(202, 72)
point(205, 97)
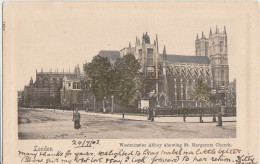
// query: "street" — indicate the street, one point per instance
point(50, 124)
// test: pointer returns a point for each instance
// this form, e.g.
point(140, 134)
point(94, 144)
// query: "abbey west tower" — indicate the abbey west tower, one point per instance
point(147, 55)
point(216, 49)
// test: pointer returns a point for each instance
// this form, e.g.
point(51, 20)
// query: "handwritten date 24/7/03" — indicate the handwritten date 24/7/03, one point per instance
point(84, 143)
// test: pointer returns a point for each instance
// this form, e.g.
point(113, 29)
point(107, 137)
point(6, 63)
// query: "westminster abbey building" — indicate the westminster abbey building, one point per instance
point(171, 77)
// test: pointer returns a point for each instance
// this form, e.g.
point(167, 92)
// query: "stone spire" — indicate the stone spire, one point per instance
point(216, 30)
point(210, 33)
point(31, 81)
point(225, 30)
point(164, 54)
point(157, 43)
point(197, 38)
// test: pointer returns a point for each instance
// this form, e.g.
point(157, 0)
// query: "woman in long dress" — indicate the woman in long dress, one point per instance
point(76, 119)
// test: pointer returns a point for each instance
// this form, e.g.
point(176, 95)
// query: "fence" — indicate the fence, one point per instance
point(188, 112)
point(131, 111)
point(159, 112)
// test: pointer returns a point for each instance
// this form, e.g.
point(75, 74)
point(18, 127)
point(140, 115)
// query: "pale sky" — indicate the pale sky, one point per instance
point(62, 35)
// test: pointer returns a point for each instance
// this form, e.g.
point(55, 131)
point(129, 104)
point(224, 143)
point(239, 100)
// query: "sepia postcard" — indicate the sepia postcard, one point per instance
point(130, 82)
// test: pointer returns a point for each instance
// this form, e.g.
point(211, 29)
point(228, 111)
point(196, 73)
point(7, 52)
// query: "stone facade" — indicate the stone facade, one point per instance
point(71, 92)
point(171, 76)
point(45, 91)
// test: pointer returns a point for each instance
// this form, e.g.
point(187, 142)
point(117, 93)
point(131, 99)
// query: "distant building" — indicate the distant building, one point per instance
point(71, 92)
point(20, 98)
point(45, 91)
point(111, 55)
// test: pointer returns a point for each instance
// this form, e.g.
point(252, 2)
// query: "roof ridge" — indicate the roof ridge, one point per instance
point(109, 50)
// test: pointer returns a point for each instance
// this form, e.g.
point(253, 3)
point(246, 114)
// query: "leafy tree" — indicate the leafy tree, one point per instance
point(99, 71)
point(201, 92)
point(127, 79)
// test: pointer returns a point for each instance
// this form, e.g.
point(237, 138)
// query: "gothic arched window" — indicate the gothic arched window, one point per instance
point(222, 77)
point(149, 56)
point(221, 45)
point(213, 47)
point(45, 82)
point(206, 49)
point(140, 54)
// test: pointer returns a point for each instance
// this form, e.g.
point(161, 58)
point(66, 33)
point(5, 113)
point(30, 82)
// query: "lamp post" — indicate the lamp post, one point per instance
point(104, 104)
point(112, 108)
point(87, 104)
point(213, 93)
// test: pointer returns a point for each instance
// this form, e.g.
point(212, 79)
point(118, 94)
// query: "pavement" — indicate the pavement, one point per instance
point(156, 119)
point(58, 124)
point(162, 119)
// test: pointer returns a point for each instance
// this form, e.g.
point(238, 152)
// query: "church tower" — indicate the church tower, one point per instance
point(202, 45)
point(146, 52)
point(219, 58)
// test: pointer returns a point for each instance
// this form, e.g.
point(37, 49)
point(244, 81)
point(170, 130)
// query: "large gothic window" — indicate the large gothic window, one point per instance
point(140, 54)
point(149, 56)
point(213, 47)
point(221, 45)
point(45, 83)
point(207, 49)
point(222, 77)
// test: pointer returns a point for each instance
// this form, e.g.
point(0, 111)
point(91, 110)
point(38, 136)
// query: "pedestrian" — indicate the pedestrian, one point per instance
point(201, 121)
point(152, 105)
point(219, 119)
point(76, 119)
point(214, 117)
point(184, 116)
point(153, 114)
point(149, 111)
